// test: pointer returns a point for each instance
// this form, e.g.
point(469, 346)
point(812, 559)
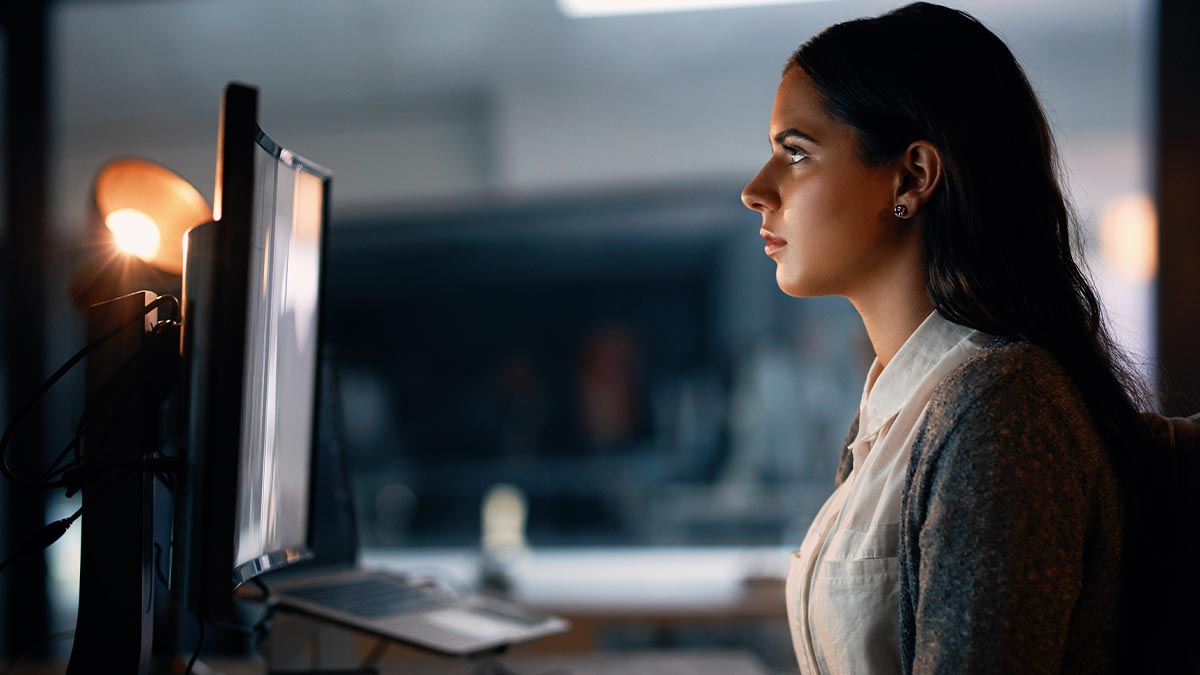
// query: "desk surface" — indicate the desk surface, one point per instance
point(629, 581)
point(652, 662)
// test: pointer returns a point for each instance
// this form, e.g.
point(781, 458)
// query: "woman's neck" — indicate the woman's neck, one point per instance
point(893, 309)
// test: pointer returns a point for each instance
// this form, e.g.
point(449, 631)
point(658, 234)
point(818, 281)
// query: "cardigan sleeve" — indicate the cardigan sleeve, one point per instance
point(993, 525)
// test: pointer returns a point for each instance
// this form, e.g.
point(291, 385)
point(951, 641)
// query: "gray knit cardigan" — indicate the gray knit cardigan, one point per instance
point(1011, 524)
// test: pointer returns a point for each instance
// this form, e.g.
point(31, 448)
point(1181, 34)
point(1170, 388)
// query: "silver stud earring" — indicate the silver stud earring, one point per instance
point(901, 211)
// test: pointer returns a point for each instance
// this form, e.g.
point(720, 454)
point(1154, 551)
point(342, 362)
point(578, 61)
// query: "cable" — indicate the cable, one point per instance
point(104, 406)
point(199, 645)
point(103, 403)
point(262, 587)
point(158, 566)
point(66, 367)
point(254, 633)
point(53, 531)
point(90, 408)
point(80, 473)
point(262, 627)
point(47, 535)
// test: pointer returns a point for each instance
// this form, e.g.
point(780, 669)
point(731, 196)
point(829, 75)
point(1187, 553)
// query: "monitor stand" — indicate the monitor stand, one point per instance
point(114, 629)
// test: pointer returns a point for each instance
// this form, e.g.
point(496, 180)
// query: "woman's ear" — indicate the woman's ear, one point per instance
point(919, 172)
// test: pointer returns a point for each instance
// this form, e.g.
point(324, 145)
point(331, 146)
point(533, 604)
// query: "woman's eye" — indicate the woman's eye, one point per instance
point(794, 155)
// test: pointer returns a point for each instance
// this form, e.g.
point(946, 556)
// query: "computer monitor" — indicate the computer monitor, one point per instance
point(251, 349)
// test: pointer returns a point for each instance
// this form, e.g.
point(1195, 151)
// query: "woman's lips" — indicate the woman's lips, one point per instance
point(774, 244)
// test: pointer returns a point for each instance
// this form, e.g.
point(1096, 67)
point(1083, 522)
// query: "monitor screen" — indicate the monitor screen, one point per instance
point(281, 357)
point(250, 346)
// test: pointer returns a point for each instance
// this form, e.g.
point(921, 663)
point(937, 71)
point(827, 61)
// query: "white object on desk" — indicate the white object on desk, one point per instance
point(593, 580)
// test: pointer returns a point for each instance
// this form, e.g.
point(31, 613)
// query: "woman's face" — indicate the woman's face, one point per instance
point(826, 216)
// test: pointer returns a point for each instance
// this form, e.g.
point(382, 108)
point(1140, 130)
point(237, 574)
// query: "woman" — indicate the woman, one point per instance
point(983, 500)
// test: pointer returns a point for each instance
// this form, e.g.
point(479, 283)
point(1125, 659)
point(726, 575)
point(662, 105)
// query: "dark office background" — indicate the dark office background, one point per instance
point(540, 274)
point(587, 351)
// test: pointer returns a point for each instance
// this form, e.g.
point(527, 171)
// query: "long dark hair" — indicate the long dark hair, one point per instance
point(999, 238)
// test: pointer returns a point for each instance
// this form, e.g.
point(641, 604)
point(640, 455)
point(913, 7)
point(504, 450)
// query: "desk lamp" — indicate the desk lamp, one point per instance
point(139, 213)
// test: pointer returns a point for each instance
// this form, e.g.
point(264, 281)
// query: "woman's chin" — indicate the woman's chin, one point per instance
point(798, 286)
point(789, 284)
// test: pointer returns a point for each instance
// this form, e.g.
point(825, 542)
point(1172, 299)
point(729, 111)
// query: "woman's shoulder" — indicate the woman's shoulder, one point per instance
point(1011, 392)
point(1006, 377)
point(1003, 366)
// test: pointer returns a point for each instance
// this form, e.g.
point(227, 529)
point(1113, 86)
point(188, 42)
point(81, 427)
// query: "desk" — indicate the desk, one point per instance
point(600, 589)
point(651, 662)
point(618, 600)
point(627, 581)
point(674, 662)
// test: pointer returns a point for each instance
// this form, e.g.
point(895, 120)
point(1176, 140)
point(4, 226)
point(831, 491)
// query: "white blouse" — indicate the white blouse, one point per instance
point(843, 584)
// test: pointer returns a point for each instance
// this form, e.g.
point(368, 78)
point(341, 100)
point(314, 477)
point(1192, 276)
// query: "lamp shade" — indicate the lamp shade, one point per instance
point(147, 208)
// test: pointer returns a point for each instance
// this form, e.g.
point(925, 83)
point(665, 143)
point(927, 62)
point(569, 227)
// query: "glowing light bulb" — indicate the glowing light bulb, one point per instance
point(1129, 237)
point(135, 232)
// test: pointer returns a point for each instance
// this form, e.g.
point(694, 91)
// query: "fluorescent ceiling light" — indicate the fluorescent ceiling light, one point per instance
point(587, 8)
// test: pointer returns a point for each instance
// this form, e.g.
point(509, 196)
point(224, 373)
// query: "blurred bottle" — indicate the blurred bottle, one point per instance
point(504, 512)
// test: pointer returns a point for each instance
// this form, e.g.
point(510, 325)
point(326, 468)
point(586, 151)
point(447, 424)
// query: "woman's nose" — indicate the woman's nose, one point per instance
point(757, 195)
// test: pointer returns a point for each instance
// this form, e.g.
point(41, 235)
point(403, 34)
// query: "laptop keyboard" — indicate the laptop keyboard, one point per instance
point(375, 597)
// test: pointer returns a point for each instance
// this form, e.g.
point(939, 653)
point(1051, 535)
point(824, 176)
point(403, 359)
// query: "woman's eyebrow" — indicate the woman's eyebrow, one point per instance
point(786, 133)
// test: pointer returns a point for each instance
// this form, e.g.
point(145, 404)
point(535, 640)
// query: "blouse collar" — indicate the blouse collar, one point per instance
point(894, 385)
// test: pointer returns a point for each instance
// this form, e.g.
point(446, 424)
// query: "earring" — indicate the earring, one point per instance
point(901, 211)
